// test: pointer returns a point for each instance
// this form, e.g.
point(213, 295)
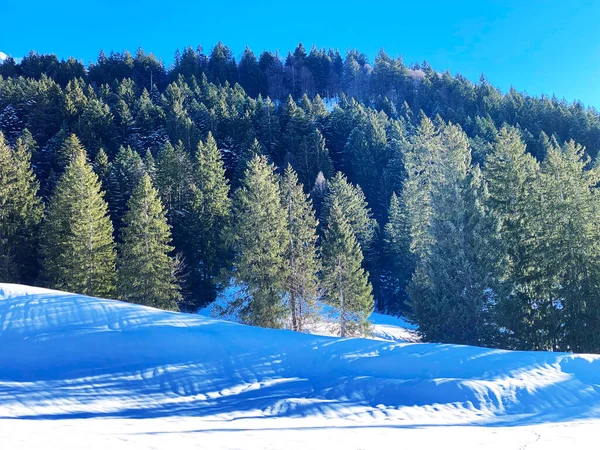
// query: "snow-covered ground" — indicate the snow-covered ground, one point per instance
point(78, 372)
point(384, 327)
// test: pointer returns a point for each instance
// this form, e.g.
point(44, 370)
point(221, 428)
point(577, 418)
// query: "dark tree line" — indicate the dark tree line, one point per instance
point(312, 178)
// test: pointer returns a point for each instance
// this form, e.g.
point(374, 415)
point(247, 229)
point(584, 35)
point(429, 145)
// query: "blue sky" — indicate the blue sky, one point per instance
point(550, 47)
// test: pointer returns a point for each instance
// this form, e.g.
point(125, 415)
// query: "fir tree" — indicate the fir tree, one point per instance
point(21, 212)
point(260, 240)
point(77, 246)
point(346, 284)
point(209, 217)
point(351, 200)
point(398, 260)
point(125, 173)
point(451, 292)
point(147, 274)
point(102, 167)
point(568, 262)
point(512, 176)
point(301, 251)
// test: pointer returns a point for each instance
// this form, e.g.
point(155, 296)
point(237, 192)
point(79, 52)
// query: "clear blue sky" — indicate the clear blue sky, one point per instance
point(550, 47)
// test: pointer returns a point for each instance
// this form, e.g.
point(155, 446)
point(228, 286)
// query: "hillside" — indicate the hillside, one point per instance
point(84, 372)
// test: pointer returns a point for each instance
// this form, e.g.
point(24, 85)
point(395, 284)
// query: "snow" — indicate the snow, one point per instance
point(384, 327)
point(78, 372)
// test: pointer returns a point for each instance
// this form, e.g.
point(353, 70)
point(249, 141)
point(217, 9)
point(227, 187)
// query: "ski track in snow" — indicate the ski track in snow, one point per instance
point(80, 372)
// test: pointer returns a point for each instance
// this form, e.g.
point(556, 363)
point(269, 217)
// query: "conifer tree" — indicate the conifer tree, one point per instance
point(398, 260)
point(77, 246)
point(568, 261)
point(301, 251)
point(451, 292)
point(346, 284)
point(150, 165)
point(210, 217)
point(421, 161)
point(125, 173)
point(147, 274)
point(512, 177)
point(102, 167)
point(351, 200)
point(260, 239)
point(318, 192)
point(21, 212)
point(173, 178)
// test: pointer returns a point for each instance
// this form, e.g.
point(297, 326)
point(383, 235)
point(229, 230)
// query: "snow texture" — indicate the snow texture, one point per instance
point(79, 372)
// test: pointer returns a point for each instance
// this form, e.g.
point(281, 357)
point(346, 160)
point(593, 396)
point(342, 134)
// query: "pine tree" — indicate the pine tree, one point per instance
point(301, 253)
point(77, 246)
point(346, 284)
point(209, 217)
point(21, 212)
point(147, 274)
point(260, 241)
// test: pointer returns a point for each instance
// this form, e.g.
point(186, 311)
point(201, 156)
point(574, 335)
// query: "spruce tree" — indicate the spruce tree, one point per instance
point(125, 173)
point(346, 284)
point(77, 246)
point(398, 261)
point(260, 240)
point(209, 219)
point(568, 257)
point(21, 212)
point(451, 292)
point(301, 252)
point(512, 177)
point(351, 200)
point(102, 167)
point(421, 161)
point(147, 274)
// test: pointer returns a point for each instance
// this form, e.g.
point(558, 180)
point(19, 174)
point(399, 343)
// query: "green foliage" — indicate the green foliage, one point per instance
point(398, 260)
point(346, 284)
point(207, 252)
point(260, 239)
point(147, 274)
point(21, 212)
point(512, 177)
point(301, 252)
point(77, 246)
point(352, 201)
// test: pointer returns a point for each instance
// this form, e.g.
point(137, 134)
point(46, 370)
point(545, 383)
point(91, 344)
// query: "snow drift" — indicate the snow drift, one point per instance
point(66, 356)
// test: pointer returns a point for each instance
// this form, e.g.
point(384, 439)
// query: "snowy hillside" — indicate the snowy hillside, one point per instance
point(79, 372)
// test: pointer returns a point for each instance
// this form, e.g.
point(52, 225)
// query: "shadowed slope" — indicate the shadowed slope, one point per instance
point(71, 356)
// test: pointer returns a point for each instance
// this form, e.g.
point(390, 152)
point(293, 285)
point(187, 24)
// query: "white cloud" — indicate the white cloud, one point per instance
point(3, 56)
